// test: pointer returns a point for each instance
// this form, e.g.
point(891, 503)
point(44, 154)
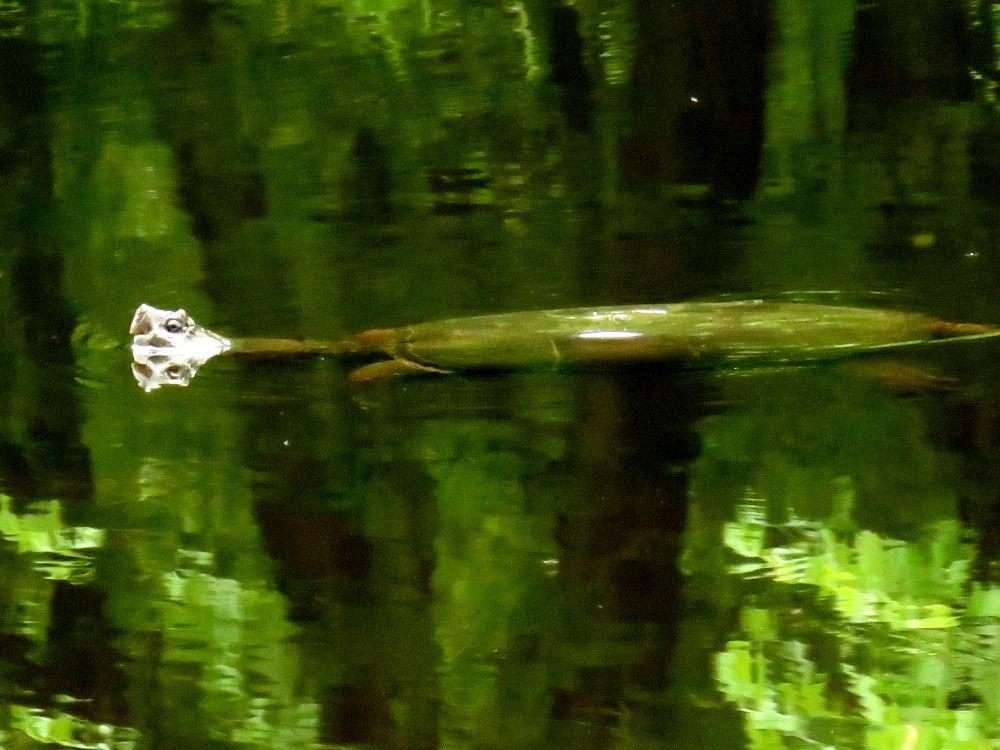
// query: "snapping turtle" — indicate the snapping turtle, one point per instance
point(168, 346)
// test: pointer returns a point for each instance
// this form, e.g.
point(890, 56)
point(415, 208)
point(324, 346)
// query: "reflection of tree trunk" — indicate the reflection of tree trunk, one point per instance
point(80, 657)
point(567, 66)
point(55, 455)
point(620, 546)
point(332, 568)
point(806, 103)
point(636, 439)
point(221, 182)
point(697, 93)
point(739, 33)
point(222, 188)
point(910, 75)
point(649, 153)
point(74, 654)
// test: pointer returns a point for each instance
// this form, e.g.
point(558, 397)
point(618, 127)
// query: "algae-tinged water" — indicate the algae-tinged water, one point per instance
point(275, 558)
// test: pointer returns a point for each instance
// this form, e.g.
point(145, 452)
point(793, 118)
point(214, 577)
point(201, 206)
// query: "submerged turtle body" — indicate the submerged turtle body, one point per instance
point(694, 334)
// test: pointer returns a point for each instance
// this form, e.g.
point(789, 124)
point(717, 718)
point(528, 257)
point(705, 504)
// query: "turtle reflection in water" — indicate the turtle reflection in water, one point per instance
point(168, 346)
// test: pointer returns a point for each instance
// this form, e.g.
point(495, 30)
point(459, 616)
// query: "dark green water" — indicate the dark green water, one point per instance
point(274, 558)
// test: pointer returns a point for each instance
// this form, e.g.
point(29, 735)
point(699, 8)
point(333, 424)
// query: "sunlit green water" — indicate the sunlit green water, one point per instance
point(642, 559)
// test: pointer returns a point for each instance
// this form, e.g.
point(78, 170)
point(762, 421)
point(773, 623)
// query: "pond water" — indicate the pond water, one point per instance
point(276, 557)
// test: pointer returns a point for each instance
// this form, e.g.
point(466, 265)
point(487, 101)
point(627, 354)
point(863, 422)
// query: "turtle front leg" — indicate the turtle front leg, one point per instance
point(391, 368)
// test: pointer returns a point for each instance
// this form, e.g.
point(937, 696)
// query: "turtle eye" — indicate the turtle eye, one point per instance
point(175, 372)
point(173, 325)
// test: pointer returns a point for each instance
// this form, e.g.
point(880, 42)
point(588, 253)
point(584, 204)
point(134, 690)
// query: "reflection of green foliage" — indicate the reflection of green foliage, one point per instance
point(66, 730)
point(235, 635)
point(616, 41)
point(806, 101)
point(995, 17)
point(91, 347)
point(773, 710)
point(385, 26)
point(850, 447)
point(867, 578)
point(279, 91)
point(910, 635)
point(492, 561)
point(135, 187)
point(802, 709)
point(57, 550)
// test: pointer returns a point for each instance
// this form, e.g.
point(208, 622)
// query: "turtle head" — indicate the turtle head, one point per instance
point(168, 347)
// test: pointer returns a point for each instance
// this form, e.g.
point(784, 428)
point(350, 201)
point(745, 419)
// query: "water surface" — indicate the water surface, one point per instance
point(275, 558)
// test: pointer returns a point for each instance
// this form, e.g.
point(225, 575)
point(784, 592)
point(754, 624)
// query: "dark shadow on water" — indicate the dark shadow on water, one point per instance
point(54, 461)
